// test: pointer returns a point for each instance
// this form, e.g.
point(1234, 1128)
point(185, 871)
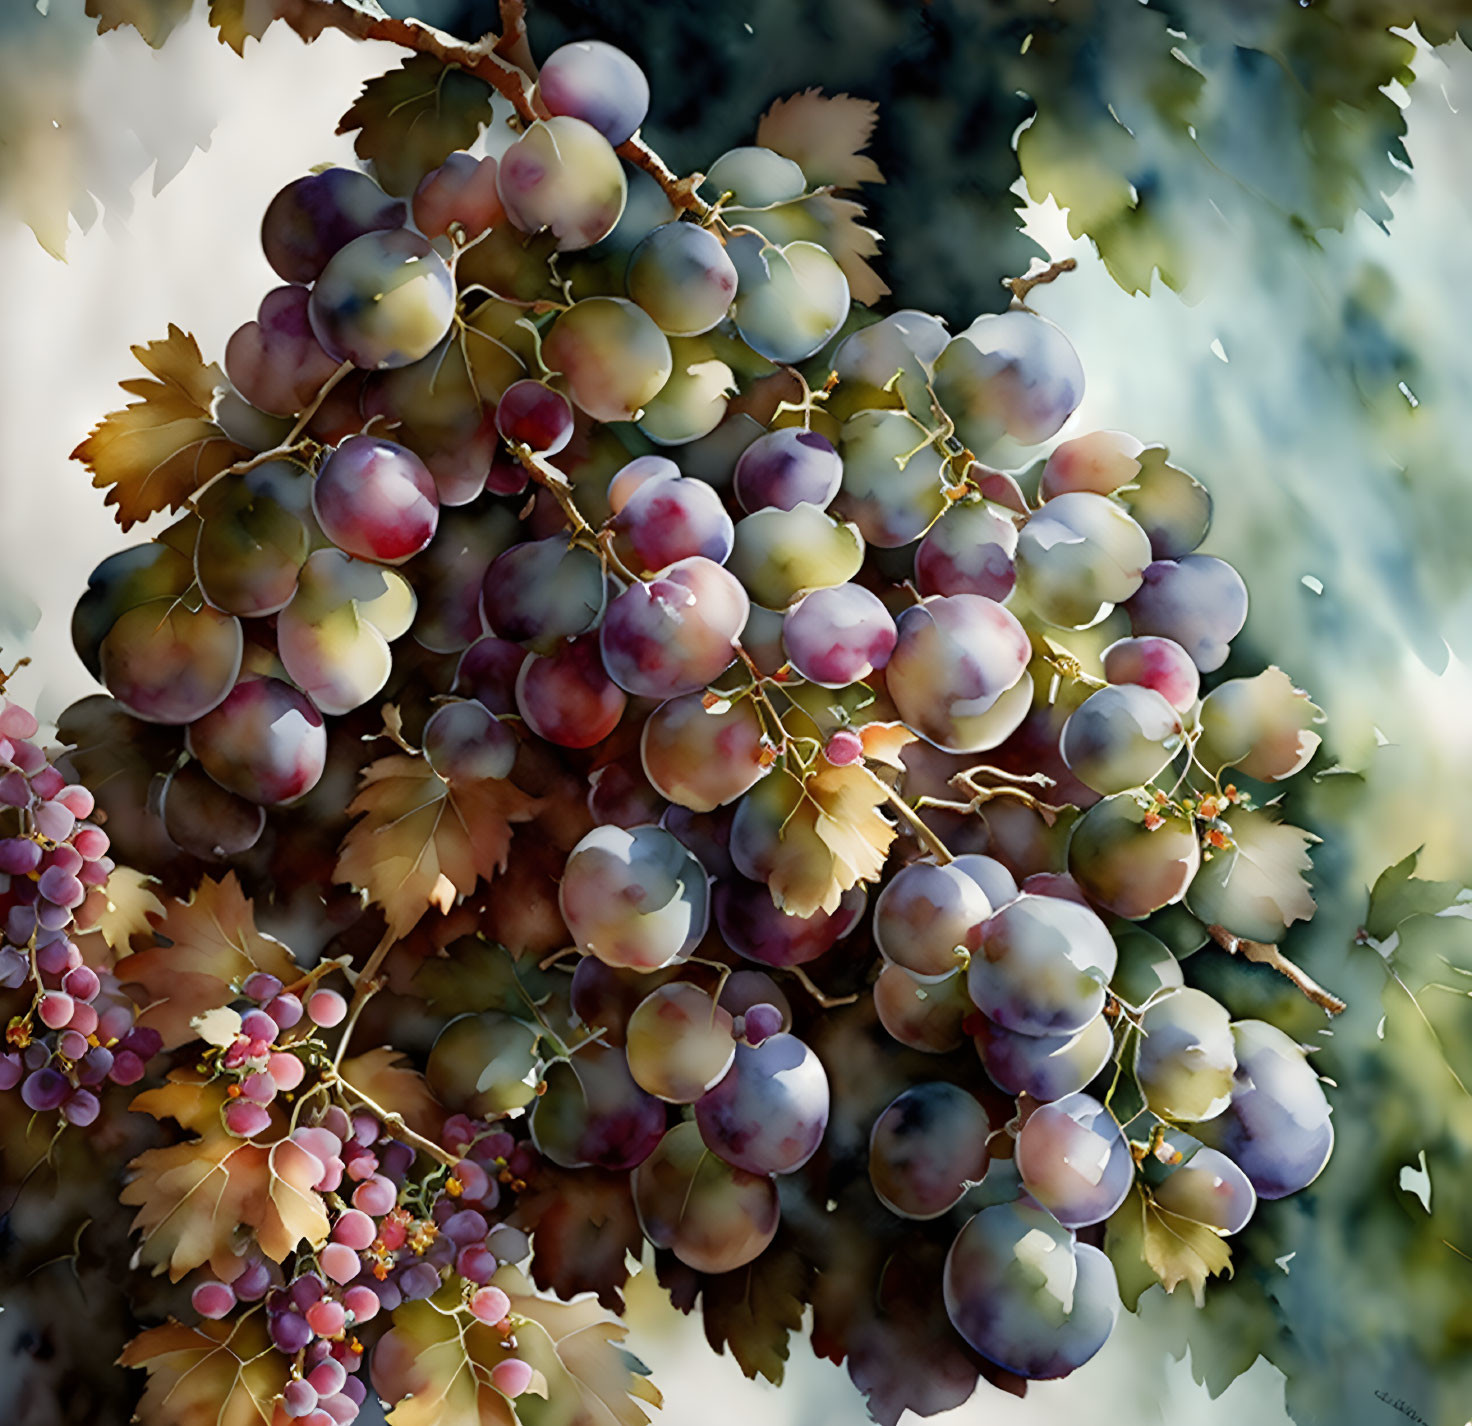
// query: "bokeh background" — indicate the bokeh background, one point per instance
point(1270, 213)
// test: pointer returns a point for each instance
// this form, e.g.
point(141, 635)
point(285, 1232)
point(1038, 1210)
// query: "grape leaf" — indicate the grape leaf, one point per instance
point(212, 1374)
point(156, 452)
point(387, 1078)
point(211, 945)
point(436, 1366)
point(153, 19)
point(755, 1310)
point(1399, 894)
point(1256, 890)
point(1180, 1250)
point(591, 1380)
point(834, 223)
point(410, 119)
point(194, 1197)
point(421, 843)
point(825, 135)
point(1262, 726)
point(122, 908)
point(473, 974)
point(583, 1228)
point(885, 743)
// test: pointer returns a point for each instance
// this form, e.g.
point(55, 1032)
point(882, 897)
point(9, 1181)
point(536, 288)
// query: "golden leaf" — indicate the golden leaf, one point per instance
point(153, 19)
point(193, 1198)
point(123, 907)
point(1180, 1250)
point(212, 944)
point(825, 135)
point(416, 833)
point(214, 1374)
point(157, 451)
point(436, 1366)
point(387, 1078)
point(885, 743)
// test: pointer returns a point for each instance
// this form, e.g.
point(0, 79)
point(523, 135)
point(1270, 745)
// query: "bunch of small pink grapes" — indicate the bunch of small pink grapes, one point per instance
point(77, 1032)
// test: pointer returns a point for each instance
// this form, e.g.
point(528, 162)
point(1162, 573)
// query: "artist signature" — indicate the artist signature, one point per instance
point(1404, 1408)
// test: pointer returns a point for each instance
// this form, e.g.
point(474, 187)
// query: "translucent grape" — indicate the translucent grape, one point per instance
point(265, 742)
point(928, 918)
point(791, 301)
point(892, 477)
point(612, 357)
point(1173, 508)
point(543, 592)
point(927, 1145)
point(968, 550)
point(839, 635)
point(681, 276)
point(533, 414)
point(592, 1112)
point(1209, 1188)
point(670, 519)
point(759, 930)
point(276, 361)
point(712, 1216)
point(787, 467)
point(634, 898)
point(1043, 966)
point(1025, 1295)
point(384, 300)
point(1262, 726)
point(1198, 601)
point(312, 218)
point(1120, 736)
point(903, 345)
point(1101, 462)
point(376, 500)
point(563, 175)
point(768, 1113)
point(255, 532)
point(780, 555)
point(756, 177)
point(1127, 866)
point(693, 402)
point(121, 582)
point(1159, 664)
point(679, 1043)
point(631, 476)
point(567, 697)
point(461, 193)
point(597, 83)
point(205, 820)
point(465, 743)
point(1078, 555)
point(955, 658)
point(168, 663)
point(1276, 1127)
point(1010, 374)
point(483, 1065)
point(1184, 1056)
point(923, 1014)
point(1047, 1067)
point(677, 632)
point(1075, 1160)
point(700, 757)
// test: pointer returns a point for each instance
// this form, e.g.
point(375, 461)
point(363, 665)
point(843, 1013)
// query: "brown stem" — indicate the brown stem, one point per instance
point(1019, 287)
point(680, 191)
point(1269, 955)
point(365, 986)
point(393, 1120)
point(1048, 811)
point(828, 1002)
point(916, 823)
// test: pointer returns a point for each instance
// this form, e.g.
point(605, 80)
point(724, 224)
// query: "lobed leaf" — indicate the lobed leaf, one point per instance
point(1256, 890)
point(387, 1078)
point(825, 135)
point(212, 1374)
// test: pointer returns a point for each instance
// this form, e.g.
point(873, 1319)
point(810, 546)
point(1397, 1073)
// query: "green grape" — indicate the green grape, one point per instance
point(693, 401)
point(1146, 966)
point(1209, 1188)
point(1173, 508)
point(896, 353)
point(1184, 1056)
point(780, 555)
point(1262, 726)
point(1120, 736)
point(563, 175)
point(681, 276)
point(791, 301)
point(712, 1216)
point(255, 533)
point(679, 1043)
point(926, 1147)
point(613, 358)
point(125, 580)
point(168, 663)
point(756, 177)
point(484, 1064)
point(892, 477)
point(1078, 555)
point(1126, 866)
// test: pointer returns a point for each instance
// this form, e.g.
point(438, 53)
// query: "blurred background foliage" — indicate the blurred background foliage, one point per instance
point(1300, 174)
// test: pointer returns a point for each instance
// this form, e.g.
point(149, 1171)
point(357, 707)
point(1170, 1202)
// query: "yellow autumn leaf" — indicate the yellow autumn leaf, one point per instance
point(825, 135)
point(194, 1197)
point(156, 452)
point(885, 743)
point(121, 909)
point(213, 1374)
point(420, 843)
point(436, 1367)
point(203, 947)
point(390, 1081)
point(1181, 1250)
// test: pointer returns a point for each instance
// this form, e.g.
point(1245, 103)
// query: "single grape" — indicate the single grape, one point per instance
point(376, 500)
point(893, 477)
point(464, 743)
point(768, 1113)
point(713, 1216)
point(968, 550)
point(483, 1065)
point(1043, 966)
point(759, 930)
point(787, 467)
point(667, 520)
point(326, 1008)
point(634, 898)
point(1198, 601)
point(1046, 1067)
point(311, 219)
point(567, 697)
point(122, 582)
point(704, 757)
point(460, 193)
point(213, 1299)
point(990, 875)
point(384, 300)
point(681, 276)
point(1101, 462)
point(1262, 726)
point(487, 672)
point(1079, 555)
point(511, 1377)
point(168, 663)
point(531, 413)
point(1158, 664)
point(926, 1147)
point(745, 989)
point(896, 353)
point(922, 1013)
point(276, 361)
point(679, 1043)
point(1172, 507)
point(591, 1111)
point(1209, 1188)
point(265, 742)
point(1130, 862)
point(1184, 1056)
point(205, 820)
point(780, 555)
point(1121, 736)
point(839, 635)
point(563, 175)
point(1075, 1160)
point(612, 357)
point(599, 84)
point(1025, 1295)
point(541, 593)
point(790, 301)
point(929, 919)
point(756, 177)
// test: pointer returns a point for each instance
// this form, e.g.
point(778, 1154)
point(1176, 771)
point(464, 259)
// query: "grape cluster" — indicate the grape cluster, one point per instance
point(630, 508)
point(77, 1032)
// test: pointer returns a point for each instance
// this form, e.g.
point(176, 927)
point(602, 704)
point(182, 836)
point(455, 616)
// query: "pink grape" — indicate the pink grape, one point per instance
point(534, 415)
point(375, 499)
point(375, 1196)
point(1156, 663)
point(328, 1377)
point(266, 742)
point(362, 1302)
point(56, 1009)
point(276, 361)
point(326, 1318)
point(666, 520)
point(326, 1008)
point(213, 1299)
point(245, 1119)
point(844, 748)
point(839, 635)
point(599, 84)
point(460, 192)
point(339, 1262)
point(355, 1229)
point(511, 1377)
point(490, 1304)
point(285, 1010)
point(567, 697)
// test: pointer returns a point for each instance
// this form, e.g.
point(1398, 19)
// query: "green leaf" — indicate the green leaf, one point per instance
point(153, 19)
point(756, 1309)
point(1256, 889)
point(240, 20)
point(1399, 894)
point(473, 974)
point(412, 118)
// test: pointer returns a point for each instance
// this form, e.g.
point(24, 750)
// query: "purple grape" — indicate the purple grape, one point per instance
point(761, 1022)
point(839, 635)
point(19, 856)
point(1198, 601)
point(289, 1332)
point(44, 1090)
point(785, 468)
point(597, 83)
point(532, 414)
point(768, 1113)
point(310, 219)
